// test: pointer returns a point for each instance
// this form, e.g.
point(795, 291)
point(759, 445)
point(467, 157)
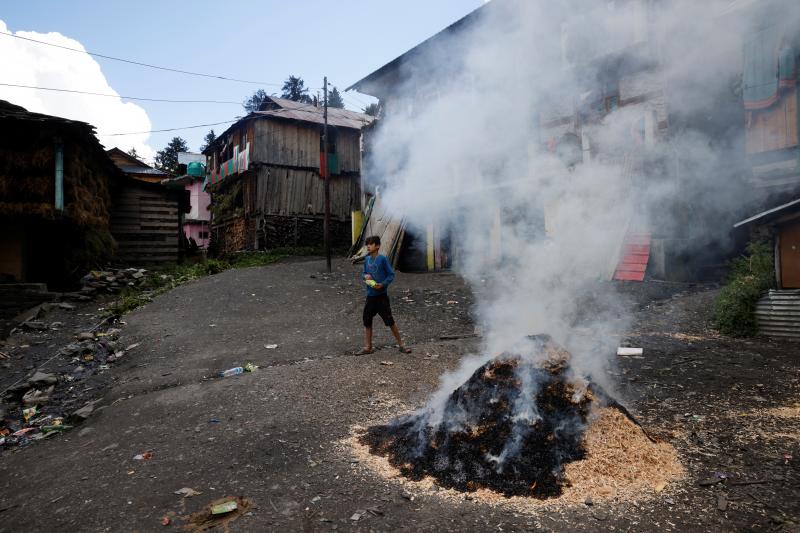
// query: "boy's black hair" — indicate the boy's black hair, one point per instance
point(373, 239)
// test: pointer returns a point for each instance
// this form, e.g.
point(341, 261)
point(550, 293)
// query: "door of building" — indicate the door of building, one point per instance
point(790, 256)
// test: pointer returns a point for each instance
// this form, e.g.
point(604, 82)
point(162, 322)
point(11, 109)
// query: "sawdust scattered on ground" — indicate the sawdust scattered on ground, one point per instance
point(622, 464)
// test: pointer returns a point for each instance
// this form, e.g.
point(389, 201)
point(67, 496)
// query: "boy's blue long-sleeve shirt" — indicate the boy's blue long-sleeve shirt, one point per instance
point(381, 271)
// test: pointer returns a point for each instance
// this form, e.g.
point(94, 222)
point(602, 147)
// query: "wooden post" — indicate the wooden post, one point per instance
point(431, 261)
point(326, 177)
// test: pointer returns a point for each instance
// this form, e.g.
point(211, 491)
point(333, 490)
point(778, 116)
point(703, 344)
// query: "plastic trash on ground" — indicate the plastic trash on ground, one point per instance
point(224, 508)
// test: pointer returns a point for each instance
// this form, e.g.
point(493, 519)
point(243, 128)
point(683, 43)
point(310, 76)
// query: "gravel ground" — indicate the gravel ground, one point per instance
point(277, 437)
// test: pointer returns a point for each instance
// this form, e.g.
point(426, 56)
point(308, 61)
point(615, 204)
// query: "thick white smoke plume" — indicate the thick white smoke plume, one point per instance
point(537, 226)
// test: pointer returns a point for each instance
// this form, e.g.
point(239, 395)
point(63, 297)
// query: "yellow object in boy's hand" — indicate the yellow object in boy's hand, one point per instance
point(371, 283)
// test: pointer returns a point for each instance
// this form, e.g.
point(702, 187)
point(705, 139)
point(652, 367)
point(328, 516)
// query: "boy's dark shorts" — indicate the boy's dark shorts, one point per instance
point(378, 305)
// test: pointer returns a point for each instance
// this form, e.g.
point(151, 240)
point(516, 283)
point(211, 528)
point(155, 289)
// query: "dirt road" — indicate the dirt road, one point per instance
point(275, 436)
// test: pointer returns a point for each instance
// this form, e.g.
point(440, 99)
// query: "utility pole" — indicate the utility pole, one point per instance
point(326, 177)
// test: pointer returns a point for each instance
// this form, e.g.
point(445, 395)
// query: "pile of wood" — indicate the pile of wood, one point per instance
point(278, 231)
point(379, 222)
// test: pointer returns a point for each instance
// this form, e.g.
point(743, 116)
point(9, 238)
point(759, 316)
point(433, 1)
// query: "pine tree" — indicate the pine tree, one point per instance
point(335, 99)
point(372, 110)
point(254, 102)
point(167, 159)
point(134, 154)
point(294, 89)
point(208, 140)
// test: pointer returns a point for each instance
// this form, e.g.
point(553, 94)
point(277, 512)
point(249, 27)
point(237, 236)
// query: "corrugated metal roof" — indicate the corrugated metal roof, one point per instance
point(292, 110)
point(136, 169)
point(768, 213)
point(369, 83)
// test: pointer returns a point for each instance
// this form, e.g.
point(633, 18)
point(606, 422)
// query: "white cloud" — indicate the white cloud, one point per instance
point(28, 63)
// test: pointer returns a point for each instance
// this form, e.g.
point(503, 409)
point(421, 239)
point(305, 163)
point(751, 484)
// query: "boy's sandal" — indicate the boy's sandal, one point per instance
point(364, 351)
point(403, 349)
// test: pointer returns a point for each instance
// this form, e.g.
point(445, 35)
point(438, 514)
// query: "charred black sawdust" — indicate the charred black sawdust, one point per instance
point(484, 443)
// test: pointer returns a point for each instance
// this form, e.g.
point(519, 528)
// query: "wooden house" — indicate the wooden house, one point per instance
point(146, 216)
point(778, 311)
point(770, 94)
point(620, 68)
point(55, 198)
point(771, 53)
point(264, 177)
point(136, 168)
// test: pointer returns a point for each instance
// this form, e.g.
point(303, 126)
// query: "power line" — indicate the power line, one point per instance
point(167, 129)
point(120, 96)
point(358, 105)
point(139, 63)
point(354, 98)
point(277, 112)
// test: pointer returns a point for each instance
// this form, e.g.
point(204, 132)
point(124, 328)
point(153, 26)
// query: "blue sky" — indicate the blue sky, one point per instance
point(263, 41)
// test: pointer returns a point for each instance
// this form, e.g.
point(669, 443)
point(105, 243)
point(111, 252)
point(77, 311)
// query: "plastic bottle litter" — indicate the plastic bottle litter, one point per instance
point(232, 372)
point(235, 371)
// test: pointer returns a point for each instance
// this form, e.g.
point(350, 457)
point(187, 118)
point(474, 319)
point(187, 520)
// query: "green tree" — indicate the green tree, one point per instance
point(335, 99)
point(208, 140)
point(254, 102)
point(133, 153)
point(294, 89)
point(372, 110)
point(167, 159)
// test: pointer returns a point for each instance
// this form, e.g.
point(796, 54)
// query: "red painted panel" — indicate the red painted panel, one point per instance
point(629, 276)
point(635, 255)
point(632, 267)
point(637, 249)
point(635, 259)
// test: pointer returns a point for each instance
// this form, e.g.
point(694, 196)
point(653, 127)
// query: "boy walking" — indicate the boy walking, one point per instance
point(378, 275)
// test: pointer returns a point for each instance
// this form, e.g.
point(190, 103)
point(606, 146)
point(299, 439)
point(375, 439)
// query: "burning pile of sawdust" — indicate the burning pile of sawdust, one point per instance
point(524, 425)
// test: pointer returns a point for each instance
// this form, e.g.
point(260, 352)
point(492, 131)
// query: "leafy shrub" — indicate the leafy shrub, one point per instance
point(751, 276)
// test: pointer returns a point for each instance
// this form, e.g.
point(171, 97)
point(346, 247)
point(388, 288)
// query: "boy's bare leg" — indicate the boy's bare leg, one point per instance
point(396, 333)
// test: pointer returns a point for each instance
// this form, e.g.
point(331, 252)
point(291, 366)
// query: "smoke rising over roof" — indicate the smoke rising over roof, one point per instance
point(541, 133)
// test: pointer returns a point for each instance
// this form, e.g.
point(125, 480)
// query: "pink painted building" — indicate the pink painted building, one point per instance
point(196, 225)
point(197, 222)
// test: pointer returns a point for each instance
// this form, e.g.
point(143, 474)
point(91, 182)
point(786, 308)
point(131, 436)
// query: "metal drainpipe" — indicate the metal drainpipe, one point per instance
point(59, 177)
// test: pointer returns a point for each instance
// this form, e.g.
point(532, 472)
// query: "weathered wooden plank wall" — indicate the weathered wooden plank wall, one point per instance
point(774, 128)
point(297, 145)
point(145, 225)
point(284, 191)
